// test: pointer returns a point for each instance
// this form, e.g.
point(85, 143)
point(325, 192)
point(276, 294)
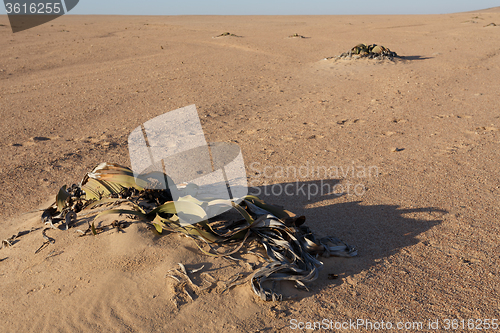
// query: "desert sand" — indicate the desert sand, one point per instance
point(424, 221)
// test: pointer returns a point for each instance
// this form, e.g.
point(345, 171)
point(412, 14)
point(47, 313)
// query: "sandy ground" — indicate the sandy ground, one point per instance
point(424, 220)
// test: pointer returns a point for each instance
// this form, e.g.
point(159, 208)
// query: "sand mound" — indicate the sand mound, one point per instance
point(116, 279)
point(487, 10)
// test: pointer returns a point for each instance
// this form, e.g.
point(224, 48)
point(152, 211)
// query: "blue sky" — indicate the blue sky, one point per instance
point(276, 7)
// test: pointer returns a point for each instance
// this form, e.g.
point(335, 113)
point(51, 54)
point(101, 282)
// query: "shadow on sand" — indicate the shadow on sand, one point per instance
point(415, 58)
point(377, 231)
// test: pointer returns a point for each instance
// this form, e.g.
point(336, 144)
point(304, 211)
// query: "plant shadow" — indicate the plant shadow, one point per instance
point(416, 57)
point(376, 231)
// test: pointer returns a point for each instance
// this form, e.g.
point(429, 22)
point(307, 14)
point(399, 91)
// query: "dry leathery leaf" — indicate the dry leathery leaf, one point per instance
point(197, 269)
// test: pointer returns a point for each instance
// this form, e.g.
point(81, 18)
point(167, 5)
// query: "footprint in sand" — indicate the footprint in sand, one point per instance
point(349, 121)
point(388, 133)
point(104, 141)
point(442, 116)
point(450, 150)
point(486, 128)
point(34, 140)
point(456, 148)
point(315, 136)
point(250, 131)
point(397, 120)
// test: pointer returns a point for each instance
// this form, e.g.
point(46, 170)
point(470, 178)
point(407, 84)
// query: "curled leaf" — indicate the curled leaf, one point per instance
point(61, 198)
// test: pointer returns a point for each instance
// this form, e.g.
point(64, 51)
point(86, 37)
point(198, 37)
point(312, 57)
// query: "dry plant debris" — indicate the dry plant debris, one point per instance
point(226, 34)
point(12, 239)
point(297, 36)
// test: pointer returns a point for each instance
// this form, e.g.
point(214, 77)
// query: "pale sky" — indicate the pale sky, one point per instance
point(276, 7)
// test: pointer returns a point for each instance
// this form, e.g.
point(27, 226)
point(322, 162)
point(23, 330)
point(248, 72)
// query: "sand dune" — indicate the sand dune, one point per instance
point(425, 224)
point(487, 10)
